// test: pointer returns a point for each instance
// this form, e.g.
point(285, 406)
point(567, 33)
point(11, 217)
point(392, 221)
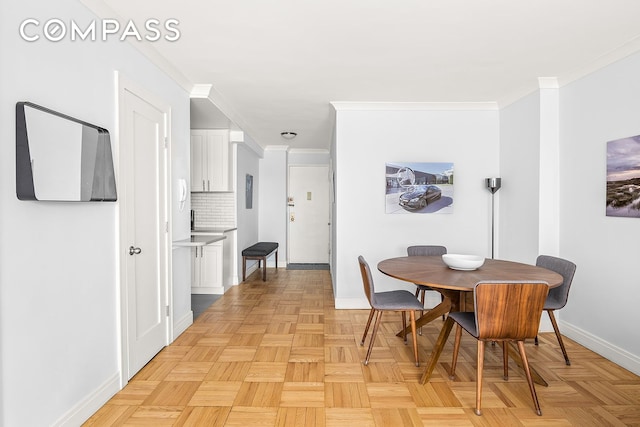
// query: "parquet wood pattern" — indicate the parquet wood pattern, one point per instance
point(277, 353)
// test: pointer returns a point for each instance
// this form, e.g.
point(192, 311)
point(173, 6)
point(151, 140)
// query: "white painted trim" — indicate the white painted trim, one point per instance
point(88, 406)
point(181, 325)
point(236, 136)
point(208, 290)
point(308, 151)
point(548, 83)
point(207, 91)
point(124, 84)
point(271, 263)
point(101, 10)
point(414, 106)
point(200, 91)
point(607, 350)
point(629, 48)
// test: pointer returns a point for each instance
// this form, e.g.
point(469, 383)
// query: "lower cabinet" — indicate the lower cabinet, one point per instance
point(207, 269)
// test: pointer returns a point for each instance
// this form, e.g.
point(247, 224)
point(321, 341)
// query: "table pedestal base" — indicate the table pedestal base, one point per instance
point(454, 301)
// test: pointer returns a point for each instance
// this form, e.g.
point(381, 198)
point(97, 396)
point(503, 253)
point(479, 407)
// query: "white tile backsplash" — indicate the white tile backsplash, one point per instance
point(214, 210)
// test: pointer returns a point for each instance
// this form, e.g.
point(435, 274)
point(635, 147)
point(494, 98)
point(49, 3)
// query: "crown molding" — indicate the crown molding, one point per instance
point(308, 151)
point(101, 10)
point(200, 90)
point(624, 50)
point(548, 83)
point(414, 106)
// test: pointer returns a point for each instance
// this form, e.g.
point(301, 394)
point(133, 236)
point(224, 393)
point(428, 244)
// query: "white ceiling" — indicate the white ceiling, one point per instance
point(276, 65)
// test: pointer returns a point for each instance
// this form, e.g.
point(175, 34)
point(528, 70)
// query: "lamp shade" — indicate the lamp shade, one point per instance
point(494, 184)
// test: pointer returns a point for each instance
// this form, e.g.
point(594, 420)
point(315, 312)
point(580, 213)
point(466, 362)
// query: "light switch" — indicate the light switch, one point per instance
point(308, 195)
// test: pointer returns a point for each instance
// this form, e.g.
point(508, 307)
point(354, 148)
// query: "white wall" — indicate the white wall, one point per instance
point(308, 157)
point(365, 141)
point(59, 290)
point(601, 312)
point(272, 198)
point(520, 173)
point(247, 219)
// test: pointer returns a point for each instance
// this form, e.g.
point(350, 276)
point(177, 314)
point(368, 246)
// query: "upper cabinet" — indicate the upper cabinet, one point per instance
point(210, 160)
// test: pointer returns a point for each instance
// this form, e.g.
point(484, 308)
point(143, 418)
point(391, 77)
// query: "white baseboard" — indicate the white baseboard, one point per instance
point(352, 304)
point(84, 409)
point(605, 349)
point(251, 268)
point(182, 324)
point(208, 290)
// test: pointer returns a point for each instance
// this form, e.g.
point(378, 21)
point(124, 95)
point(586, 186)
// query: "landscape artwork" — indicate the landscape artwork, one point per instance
point(623, 177)
point(419, 187)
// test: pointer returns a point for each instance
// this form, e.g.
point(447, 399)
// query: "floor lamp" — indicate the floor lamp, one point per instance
point(493, 184)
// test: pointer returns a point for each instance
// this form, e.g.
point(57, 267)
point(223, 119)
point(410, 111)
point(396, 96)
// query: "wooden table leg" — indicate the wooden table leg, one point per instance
point(515, 355)
point(439, 310)
point(437, 349)
point(451, 302)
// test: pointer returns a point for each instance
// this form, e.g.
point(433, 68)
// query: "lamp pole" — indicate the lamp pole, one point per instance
point(493, 184)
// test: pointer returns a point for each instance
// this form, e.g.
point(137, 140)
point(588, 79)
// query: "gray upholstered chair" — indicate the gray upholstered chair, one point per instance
point(399, 300)
point(504, 312)
point(425, 250)
point(558, 296)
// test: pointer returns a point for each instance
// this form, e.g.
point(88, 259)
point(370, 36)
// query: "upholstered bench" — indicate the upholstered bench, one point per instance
point(260, 251)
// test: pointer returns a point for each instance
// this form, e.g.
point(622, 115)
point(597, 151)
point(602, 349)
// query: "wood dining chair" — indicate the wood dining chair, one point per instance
point(398, 300)
point(504, 312)
point(425, 250)
point(558, 296)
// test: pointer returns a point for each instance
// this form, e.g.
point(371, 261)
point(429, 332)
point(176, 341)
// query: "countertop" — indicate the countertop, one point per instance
point(199, 240)
point(214, 230)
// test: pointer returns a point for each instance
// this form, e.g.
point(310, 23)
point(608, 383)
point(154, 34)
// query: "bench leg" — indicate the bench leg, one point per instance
point(244, 268)
point(276, 259)
point(264, 269)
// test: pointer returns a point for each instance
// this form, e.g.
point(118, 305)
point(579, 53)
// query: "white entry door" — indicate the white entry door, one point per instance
point(144, 235)
point(308, 214)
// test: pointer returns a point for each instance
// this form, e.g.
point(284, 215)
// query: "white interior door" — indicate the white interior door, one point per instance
point(308, 214)
point(143, 161)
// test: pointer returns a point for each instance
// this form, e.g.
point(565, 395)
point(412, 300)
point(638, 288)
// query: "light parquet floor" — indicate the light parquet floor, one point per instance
point(278, 353)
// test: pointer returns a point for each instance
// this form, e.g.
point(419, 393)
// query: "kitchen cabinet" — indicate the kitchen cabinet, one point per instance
point(210, 160)
point(229, 251)
point(207, 269)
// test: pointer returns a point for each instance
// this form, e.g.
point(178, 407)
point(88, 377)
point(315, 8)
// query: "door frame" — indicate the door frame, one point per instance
point(329, 219)
point(124, 84)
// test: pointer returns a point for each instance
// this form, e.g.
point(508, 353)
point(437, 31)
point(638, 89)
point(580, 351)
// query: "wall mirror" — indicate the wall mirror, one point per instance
point(60, 158)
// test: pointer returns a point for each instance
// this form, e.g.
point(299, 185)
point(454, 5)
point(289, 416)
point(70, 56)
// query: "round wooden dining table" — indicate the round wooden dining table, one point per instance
point(456, 287)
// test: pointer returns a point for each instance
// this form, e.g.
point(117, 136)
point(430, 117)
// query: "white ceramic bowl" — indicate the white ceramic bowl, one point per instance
point(463, 262)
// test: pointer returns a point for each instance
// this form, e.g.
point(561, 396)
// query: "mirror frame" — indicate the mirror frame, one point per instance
point(104, 184)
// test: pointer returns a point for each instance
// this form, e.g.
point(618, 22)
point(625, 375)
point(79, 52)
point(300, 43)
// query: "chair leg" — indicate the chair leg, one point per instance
point(366, 328)
point(373, 335)
point(412, 319)
point(505, 360)
point(527, 371)
point(479, 377)
point(557, 331)
point(422, 311)
point(456, 348)
point(404, 326)
point(442, 300)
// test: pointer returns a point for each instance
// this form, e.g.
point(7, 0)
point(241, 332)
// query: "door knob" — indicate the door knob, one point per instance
point(134, 251)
